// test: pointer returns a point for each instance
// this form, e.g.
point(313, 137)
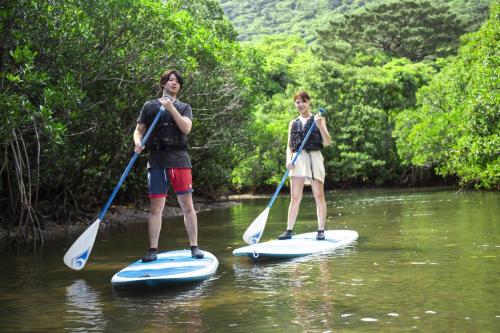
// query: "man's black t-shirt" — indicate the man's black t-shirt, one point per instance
point(166, 157)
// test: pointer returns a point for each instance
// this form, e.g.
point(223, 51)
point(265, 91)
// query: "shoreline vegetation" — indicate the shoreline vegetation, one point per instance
point(118, 216)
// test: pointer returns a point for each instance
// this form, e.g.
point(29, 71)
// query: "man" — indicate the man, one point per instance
point(168, 162)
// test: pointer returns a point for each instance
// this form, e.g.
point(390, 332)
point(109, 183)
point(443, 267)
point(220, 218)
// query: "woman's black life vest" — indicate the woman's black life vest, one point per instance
point(166, 134)
point(297, 135)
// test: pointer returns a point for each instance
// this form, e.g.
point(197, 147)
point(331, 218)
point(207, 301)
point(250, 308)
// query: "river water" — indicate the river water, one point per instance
point(426, 261)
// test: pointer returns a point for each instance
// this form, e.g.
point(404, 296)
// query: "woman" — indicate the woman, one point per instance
point(308, 168)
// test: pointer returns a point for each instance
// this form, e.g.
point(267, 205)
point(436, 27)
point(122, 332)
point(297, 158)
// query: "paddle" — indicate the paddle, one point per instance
point(77, 255)
point(256, 229)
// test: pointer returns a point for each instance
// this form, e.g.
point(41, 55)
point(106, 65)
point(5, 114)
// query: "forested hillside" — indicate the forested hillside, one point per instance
point(254, 19)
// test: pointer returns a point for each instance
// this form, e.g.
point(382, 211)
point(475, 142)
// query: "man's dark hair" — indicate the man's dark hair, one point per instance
point(164, 78)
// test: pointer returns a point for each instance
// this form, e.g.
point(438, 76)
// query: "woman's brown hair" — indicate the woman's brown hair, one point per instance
point(304, 96)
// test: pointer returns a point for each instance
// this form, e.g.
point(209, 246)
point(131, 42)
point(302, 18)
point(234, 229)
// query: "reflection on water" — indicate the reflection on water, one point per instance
point(301, 286)
point(84, 310)
point(166, 307)
point(425, 261)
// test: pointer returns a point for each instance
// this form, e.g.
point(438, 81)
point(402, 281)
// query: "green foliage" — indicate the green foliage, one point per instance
point(285, 57)
point(362, 146)
point(363, 97)
point(471, 12)
point(413, 29)
point(362, 102)
point(263, 162)
point(456, 126)
point(287, 61)
point(255, 19)
point(75, 76)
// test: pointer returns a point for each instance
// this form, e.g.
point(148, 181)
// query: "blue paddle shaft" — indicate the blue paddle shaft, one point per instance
point(130, 164)
point(275, 195)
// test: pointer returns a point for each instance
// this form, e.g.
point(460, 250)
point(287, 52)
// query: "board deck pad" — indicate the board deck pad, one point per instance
point(299, 245)
point(172, 267)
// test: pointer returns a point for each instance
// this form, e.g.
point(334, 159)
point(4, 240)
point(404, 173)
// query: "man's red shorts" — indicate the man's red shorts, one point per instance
point(159, 180)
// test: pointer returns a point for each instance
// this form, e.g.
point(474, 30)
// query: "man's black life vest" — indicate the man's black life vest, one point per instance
point(166, 134)
point(298, 134)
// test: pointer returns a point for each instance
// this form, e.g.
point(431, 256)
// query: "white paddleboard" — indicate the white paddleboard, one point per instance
point(171, 267)
point(299, 245)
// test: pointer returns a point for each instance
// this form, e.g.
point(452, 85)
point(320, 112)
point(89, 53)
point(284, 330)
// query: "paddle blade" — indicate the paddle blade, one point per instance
point(77, 255)
point(256, 229)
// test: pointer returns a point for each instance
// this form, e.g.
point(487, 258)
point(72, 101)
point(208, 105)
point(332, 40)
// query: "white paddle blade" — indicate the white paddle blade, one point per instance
point(256, 229)
point(77, 255)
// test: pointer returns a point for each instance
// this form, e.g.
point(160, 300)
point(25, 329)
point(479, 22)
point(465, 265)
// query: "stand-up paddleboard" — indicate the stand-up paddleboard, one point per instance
point(171, 267)
point(298, 245)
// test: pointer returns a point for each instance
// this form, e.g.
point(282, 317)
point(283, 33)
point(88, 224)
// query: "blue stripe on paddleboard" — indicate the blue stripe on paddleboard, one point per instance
point(146, 273)
point(178, 259)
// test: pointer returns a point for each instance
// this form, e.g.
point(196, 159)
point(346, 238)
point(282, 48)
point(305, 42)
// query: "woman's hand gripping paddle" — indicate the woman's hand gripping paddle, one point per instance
point(254, 232)
point(77, 255)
